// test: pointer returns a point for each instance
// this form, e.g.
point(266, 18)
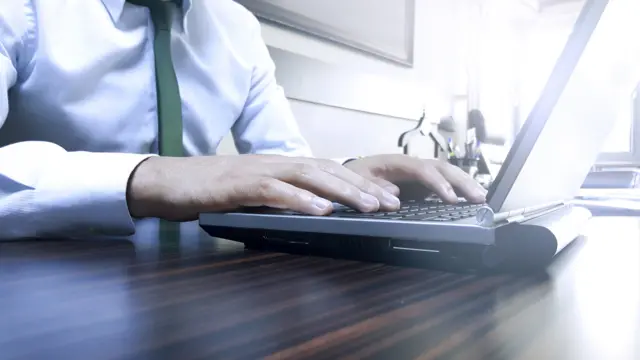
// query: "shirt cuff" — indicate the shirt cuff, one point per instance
point(91, 191)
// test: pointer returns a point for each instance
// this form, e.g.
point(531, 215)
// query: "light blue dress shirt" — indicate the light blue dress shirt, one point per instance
point(78, 104)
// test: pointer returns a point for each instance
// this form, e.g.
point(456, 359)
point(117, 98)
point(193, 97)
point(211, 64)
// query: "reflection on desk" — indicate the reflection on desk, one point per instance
point(610, 202)
point(203, 298)
point(622, 194)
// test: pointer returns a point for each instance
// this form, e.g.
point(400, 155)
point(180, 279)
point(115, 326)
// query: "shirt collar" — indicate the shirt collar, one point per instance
point(115, 8)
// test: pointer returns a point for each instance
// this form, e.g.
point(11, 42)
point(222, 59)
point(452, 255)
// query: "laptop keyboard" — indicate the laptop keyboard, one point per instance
point(417, 210)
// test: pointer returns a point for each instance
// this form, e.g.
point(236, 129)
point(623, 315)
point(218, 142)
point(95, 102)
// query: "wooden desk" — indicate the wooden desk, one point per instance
point(209, 299)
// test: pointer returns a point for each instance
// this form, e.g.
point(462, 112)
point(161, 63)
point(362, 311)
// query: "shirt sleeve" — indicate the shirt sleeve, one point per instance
point(267, 124)
point(45, 190)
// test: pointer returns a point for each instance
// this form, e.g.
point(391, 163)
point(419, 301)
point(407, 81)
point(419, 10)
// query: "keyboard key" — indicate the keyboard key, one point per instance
point(413, 210)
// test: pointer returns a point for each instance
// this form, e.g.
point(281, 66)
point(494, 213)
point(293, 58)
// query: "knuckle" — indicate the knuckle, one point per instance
point(304, 169)
point(351, 190)
point(452, 169)
point(436, 179)
point(328, 166)
point(368, 186)
point(300, 197)
point(437, 164)
point(429, 168)
point(265, 187)
point(342, 189)
point(303, 166)
point(349, 194)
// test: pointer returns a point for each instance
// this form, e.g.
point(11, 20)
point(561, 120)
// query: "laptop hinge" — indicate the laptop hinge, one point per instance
point(487, 217)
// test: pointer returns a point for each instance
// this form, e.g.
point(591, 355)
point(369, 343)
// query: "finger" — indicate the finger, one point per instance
point(388, 200)
point(386, 185)
point(430, 177)
point(277, 194)
point(409, 168)
point(439, 176)
point(328, 186)
point(468, 187)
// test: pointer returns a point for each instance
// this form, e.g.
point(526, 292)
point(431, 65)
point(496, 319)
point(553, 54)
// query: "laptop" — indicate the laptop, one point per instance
point(544, 169)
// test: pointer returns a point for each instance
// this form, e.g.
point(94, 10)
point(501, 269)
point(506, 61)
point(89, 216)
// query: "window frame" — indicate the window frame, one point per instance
point(632, 157)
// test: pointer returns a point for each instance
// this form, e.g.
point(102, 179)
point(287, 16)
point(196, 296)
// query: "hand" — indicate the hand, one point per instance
point(439, 176)
point(181, 188)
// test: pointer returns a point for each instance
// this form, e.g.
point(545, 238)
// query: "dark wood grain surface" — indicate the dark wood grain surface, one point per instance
point(208, 298)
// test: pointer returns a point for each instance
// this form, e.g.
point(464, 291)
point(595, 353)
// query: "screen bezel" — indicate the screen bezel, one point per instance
point(558, 79)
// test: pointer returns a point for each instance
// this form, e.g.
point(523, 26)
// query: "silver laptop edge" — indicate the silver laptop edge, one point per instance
point(570, 123)
point(463, 231)
point(516, 159)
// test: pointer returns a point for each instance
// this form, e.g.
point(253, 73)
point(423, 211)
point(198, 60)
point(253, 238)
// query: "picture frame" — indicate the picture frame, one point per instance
point(386, 32)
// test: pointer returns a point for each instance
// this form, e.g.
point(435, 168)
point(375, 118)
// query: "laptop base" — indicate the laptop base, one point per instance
point(525, 246)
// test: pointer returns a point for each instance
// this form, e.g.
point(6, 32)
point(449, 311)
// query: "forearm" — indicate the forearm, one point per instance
point(46, 191)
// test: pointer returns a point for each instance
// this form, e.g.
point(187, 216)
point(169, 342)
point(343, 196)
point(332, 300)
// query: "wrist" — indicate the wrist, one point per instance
point(142, 188)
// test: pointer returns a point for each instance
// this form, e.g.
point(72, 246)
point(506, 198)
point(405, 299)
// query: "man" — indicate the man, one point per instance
point(80, 115)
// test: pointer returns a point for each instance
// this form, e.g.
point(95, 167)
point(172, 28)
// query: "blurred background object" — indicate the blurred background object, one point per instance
point(365, 80)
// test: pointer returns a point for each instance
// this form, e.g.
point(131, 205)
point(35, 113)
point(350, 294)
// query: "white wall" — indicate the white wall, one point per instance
point(439, 63)
point(438, 48)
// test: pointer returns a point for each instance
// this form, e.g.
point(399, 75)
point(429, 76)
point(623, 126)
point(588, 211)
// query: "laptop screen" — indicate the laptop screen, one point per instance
point(571, 120)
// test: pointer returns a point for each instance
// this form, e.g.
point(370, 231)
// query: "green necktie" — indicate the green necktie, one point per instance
point(168, 92)
point(169, 102)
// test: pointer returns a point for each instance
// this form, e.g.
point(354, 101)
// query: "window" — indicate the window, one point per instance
point(623, 144)
point(620, 140)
